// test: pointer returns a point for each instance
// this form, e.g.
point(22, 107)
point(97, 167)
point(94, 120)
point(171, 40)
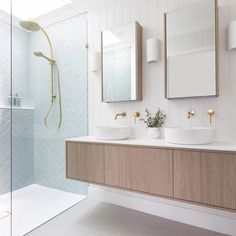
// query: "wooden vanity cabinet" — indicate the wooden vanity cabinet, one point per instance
point(205, 177)
point(85, 162)
point(201, 177)
point(140, 169)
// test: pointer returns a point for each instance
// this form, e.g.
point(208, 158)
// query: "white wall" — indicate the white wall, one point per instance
point(150, 14)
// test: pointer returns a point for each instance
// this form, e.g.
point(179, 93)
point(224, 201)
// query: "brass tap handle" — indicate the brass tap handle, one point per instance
point(211, 113)
point(191, 113)
point(136, 115)
point(123, 114)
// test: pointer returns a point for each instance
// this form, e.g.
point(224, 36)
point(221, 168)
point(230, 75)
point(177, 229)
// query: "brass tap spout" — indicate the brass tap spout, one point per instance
point(136, 115)
point(211, 113)
point(123, 114)
point(191, 113)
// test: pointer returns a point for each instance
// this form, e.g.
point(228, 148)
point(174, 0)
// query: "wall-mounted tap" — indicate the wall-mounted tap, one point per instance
point(191, 113)
point(210, 113)
point(136, 114)
point(123, 114)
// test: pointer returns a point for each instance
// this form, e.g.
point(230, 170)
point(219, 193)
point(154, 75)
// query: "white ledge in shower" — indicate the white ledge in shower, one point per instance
point(17, 108)
point(161, 143)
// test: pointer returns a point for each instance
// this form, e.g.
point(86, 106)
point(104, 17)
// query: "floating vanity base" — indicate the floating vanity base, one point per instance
point(200, 176)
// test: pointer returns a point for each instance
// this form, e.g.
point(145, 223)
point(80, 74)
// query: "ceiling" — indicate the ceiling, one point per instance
point(24, 9)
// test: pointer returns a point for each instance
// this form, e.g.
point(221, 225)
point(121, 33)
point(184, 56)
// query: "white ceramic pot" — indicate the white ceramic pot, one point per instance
point(153, 132)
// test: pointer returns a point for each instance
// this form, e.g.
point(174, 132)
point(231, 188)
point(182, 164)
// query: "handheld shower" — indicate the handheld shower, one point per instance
point(33, 26)
point(40, 54)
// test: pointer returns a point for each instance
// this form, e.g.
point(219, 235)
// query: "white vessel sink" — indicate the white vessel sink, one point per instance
point(190, 136)
point(112, 132)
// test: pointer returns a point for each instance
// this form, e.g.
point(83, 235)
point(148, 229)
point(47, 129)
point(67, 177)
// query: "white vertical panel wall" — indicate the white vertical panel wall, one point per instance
point(149, 13)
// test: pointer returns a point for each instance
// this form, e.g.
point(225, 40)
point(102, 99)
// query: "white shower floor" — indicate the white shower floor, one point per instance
point(3, 213)
point(33, 206)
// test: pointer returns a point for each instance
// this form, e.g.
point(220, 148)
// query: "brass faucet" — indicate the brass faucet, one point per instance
point(123, 114)
point(191, 113)
point(136, 114)
point(210, 113)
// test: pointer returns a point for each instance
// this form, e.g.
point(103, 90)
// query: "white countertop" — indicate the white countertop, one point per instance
point(161, 143)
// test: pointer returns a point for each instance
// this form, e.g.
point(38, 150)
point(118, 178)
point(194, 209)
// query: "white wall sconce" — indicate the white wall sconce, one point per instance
point(232, 35)
point(153, 50)
point(96, 62)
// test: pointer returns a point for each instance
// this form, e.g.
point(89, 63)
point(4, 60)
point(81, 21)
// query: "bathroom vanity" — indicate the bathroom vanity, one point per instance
point(200, 174)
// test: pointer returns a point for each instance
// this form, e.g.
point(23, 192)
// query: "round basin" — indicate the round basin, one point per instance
point(112, 132)
point(190, 136)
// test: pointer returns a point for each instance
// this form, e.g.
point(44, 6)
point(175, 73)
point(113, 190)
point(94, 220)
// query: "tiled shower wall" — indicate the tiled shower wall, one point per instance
point(5, 125)
point(22, 119)
point(5, 153)
point(149, 13)
point(38, 153)
point(20, 83)
point(69, 39)
point(5, 62)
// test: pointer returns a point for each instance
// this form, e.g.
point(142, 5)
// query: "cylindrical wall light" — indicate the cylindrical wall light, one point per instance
point(153, 50)
point(232, 35)
point(96, 62)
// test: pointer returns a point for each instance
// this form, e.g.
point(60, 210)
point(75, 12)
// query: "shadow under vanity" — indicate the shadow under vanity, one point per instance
point(199, 174)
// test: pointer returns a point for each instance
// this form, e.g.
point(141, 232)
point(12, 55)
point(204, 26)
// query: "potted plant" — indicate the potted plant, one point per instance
point(154, 123)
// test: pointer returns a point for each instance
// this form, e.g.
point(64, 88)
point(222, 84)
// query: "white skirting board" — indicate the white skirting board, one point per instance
point(203, 217)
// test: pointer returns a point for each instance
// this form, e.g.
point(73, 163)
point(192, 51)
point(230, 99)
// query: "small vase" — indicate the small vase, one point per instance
point(153, 132)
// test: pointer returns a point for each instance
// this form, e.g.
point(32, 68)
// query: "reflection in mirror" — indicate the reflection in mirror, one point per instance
point(121, 55)
point(191, 51)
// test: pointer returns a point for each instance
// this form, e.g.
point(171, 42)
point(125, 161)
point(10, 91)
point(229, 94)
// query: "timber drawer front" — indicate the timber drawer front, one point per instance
point(85, 162)
point(205, 177)
point(140, 169)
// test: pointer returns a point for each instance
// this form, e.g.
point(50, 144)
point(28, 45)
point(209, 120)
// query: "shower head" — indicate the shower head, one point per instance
point(33, 26)
point(40, 54)
point(30, 25)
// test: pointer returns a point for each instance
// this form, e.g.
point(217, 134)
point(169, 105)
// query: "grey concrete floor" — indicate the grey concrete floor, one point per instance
point(92, 218)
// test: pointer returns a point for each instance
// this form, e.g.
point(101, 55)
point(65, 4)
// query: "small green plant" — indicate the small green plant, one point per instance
point(156, 121)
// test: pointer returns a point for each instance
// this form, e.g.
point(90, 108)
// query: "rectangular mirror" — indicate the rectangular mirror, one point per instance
point(122, 63)
point(191, 54)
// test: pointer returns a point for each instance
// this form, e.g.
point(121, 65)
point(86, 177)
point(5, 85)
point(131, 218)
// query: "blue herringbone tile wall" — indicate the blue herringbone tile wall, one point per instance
point(5, 121)
point(5, 152)
point(22, 120)
point(69, 38)
point(22, 148)
point(38, 154)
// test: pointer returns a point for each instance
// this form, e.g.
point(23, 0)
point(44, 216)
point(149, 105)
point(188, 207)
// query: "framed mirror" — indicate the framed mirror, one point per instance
point(191, 52)
point(122, 63)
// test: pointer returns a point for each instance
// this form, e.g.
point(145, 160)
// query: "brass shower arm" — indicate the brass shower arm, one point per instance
point(49, 42)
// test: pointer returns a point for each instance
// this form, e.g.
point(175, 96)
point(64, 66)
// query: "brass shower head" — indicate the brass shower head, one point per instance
point(30, 25)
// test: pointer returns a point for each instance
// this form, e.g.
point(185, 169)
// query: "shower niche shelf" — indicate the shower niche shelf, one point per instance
point(17, 108)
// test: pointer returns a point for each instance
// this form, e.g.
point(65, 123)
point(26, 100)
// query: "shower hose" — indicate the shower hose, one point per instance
point(53, 98)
